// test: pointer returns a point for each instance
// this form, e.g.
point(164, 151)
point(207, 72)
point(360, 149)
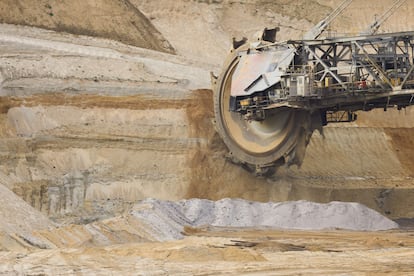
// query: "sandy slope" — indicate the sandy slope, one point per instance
point(118, 20)
point(214, 23)
point(16, 211)
point(19, 220)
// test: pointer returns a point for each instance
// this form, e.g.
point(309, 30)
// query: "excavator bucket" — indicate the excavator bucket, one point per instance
point(271, 95)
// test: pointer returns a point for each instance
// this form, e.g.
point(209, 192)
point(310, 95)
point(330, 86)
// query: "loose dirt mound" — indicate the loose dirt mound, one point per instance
point(167, 218)
point(117, 20)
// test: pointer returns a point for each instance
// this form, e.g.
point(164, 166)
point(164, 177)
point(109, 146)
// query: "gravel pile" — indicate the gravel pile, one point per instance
point(166, 219)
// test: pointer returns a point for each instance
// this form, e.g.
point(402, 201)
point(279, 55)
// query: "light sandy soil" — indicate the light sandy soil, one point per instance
point(230, 252)
point(89, 126)
point(118, 20)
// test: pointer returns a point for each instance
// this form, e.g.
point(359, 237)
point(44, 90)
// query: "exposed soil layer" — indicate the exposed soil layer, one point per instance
point(403, 144)
point(119, 20)
point(199, 102)
point(354, 171)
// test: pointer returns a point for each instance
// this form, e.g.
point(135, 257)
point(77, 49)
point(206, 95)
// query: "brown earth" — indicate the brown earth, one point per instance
point(403, 143)
point(117, 20)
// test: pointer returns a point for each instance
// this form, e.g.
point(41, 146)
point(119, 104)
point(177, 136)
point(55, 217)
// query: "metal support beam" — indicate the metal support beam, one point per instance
point(327, 68)
point(407, 76)
point(375, 65)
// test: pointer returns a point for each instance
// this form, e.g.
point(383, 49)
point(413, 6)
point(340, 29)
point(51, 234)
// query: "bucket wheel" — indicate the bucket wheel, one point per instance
point(259, 146)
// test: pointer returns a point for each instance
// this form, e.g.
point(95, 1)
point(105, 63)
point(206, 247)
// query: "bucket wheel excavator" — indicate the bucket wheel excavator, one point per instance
point(271, 96)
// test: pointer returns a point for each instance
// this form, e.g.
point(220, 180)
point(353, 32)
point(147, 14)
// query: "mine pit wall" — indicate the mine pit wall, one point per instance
point(93, 156)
